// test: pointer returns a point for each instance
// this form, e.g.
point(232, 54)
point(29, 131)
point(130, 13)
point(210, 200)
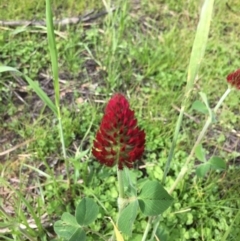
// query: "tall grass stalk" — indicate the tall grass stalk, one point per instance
point(198, 50)
point(197, 54)
point(54, 62)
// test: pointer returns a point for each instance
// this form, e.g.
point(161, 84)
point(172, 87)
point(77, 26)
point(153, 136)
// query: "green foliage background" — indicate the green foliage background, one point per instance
point(143, 50)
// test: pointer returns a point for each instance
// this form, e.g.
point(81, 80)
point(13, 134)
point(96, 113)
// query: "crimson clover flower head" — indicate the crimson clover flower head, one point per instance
point(234, 79)
point(119, 140)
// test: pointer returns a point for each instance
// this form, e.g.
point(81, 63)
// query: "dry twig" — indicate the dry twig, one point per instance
point(63, 22)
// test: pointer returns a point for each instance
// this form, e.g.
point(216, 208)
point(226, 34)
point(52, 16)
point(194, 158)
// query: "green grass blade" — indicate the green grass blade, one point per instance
point(54, 62)
point(196, 57)
point(53, 50)
point(34, 85)
point(42, 95)
point(8, 69)
point(200, 43)
point(22, 215)
point(229, 230)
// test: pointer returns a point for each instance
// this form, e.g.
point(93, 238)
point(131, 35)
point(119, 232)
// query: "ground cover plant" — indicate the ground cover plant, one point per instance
point(56, 86)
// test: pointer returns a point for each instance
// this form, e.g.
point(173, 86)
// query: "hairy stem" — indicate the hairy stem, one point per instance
point(120, 183)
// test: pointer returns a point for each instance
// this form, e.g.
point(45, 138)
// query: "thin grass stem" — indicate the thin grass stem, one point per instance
point(198, 141)
point(196, 57)
point(54, 63)
point(147, 229)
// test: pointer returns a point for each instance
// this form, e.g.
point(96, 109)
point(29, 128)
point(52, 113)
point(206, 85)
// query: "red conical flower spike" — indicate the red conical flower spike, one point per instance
point(119, 140)
point(234, 79)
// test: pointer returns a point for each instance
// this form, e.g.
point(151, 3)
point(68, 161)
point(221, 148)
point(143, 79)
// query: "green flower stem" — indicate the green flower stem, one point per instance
point(120, 183)
point(198, 141)
point(150, 219)
point(121, 190)
point(155, 226)
point(222, 99)
point(175, 137)
point(120, 196)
